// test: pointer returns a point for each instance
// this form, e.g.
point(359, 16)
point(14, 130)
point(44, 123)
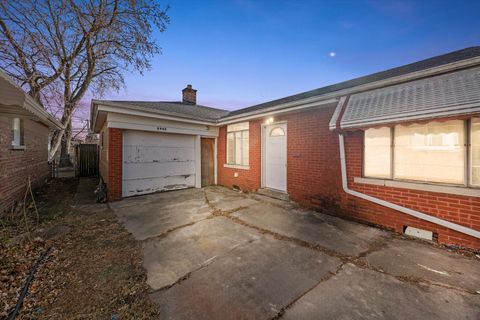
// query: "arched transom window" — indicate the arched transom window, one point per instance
point(277, 132)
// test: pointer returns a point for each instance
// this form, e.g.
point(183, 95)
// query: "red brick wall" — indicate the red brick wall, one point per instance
point(248, 180)
point(312, 156)
point(313, 161)
point(17, 165)
point(462, 210)
point(314, 179)
point(103, 149)
point(115, 160)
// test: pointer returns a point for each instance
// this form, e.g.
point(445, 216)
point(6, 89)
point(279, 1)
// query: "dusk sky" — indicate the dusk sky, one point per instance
point(240, 53)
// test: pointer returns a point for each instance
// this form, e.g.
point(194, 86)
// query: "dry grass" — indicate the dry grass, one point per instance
point(93, 272)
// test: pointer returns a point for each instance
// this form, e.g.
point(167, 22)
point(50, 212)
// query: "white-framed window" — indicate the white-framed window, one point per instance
point(238, 144)
point(17, 133)
point(432, 152)
point(377, 153)
point(435, 152)
point(475, 152)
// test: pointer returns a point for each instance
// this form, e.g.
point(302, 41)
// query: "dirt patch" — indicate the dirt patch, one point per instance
point(93, 271)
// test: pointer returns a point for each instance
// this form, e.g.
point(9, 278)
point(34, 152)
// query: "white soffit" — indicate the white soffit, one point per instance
point(445, 95)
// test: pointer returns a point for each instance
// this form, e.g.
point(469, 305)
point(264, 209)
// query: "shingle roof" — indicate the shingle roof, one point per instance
point(198, 112)
point(447, 58)
point(176, 108)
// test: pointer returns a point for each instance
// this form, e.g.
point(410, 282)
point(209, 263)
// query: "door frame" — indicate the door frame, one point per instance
point(215, 154)
point(263, 153)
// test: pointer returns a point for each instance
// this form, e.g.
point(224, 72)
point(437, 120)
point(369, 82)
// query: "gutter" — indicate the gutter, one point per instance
point(295, 105)
point(33, 107)
point(411, 212)
point(416, 75)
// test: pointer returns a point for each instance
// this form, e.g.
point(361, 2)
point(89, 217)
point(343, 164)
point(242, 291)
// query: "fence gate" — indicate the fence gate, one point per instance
point(87, 155)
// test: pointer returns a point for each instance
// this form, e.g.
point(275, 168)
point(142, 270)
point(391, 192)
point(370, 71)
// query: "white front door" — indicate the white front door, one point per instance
point(276, 156)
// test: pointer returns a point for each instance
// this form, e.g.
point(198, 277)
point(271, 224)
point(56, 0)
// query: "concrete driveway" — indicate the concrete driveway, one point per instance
point(217, 254)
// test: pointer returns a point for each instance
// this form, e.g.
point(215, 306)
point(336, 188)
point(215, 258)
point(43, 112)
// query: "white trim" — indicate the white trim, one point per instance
point(236, 166)
point(411, 212)
point(263, 136)
point(296, 105)
point(263, 154)
point(160, 128)
point(198, 162)
point(310, 102)
point(215, 153)
point(397, 100)
point(372, 181)
point(317, 102)
point(462, 191)
point(424, 115)
point(117, 109)
point(369, 86)
point(30, 105)
point(338, 109)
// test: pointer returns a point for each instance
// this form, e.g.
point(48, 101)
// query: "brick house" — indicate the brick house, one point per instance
point(399, 148)
point(24, 141)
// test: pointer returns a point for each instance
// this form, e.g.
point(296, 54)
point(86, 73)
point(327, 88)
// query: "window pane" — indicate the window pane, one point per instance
point(16, 132)
point(230, 148)
point(475, 152)
point(433, 152)
point(275, 132)
point(238, 147)
point(237, 143)
point(237, 127)
point(377, 153)
point(245, 148)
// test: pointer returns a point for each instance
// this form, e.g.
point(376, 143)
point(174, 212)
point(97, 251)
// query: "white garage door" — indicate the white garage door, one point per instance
point(156, 162)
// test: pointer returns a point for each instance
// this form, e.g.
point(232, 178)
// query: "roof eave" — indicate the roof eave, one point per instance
point(99, 106)
point(427, 73)
point(33, 107)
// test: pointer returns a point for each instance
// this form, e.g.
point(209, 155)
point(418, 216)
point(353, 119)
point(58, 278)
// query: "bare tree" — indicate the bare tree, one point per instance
point(70, 47)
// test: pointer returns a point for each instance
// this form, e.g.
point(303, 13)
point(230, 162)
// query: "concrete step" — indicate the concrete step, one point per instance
point(273, 194)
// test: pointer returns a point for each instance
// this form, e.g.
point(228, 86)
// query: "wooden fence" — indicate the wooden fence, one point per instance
point(87, 160)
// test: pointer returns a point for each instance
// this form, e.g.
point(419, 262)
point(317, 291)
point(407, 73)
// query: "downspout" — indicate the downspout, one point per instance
point(414, 213)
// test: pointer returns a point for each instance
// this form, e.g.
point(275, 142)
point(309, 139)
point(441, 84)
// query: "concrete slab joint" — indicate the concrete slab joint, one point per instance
point(206, 249)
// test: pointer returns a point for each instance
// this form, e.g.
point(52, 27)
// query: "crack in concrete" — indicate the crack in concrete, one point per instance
point(359, 261)
point(297, 241)
point(411, 280)
point(202, 266)
point(168, 231)
point(323, 279)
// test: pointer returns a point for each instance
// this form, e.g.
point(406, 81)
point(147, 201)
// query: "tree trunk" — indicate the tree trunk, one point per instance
point(66, 135)
point(65, 160)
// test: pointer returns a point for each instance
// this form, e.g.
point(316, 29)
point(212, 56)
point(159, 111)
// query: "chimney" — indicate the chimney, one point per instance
point(189, 95)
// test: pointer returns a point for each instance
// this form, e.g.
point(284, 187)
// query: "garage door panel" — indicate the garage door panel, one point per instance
point(155, 139)
point(159, 170)
point(155, 161)
point(149, 185)
point(135, 154)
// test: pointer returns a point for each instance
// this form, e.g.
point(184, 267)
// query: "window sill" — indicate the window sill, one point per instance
point(462, 191)
point(19, 147)
point(236, 166)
